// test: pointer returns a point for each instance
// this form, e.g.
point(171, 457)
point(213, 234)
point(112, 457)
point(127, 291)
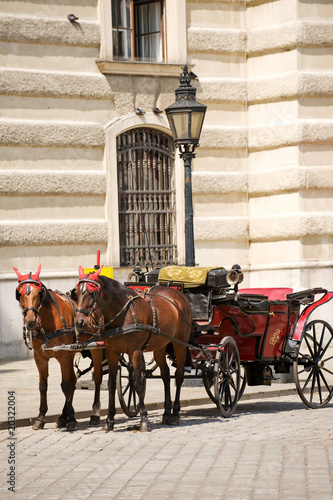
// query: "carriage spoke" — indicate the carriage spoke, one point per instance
point(308, 380)
point(127, 387)
point(306, 338)
point(327, 370)
point(321, 340)
point(319, 388)
point(325, 381)
point(325, 349)
point(313, 377)
point(313, 367)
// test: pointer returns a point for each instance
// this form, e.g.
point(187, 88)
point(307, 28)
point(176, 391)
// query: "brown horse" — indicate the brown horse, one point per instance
point(132, 317)
point(48, 318)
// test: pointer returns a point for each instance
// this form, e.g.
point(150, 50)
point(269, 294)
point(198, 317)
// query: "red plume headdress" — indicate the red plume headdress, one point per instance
point(90, 279)
point(27, 280)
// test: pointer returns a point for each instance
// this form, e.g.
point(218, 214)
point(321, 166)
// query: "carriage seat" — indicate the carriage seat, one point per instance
point(199, 285)
point(192, 277)
point(268, 293)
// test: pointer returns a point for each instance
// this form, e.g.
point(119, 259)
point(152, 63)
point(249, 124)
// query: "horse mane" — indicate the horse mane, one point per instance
point(113, 287)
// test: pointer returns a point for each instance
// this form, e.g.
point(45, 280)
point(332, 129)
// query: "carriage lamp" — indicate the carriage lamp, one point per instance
point(235, 276)
point(185, 118)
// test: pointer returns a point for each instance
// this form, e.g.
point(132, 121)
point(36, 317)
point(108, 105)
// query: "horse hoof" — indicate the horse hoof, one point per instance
point(145, 426)
point(166, 419)
point(108, 426)
point(170, 420)
point(38, 424)
point(61, 423)
point(72, 426)
point(94, 420)
point(174, 420)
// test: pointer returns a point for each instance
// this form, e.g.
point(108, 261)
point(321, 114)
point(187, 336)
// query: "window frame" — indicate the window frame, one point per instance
point(175, 40)
point(114, 129)
point(149, 33)
point(132, 30)
point(146, 193)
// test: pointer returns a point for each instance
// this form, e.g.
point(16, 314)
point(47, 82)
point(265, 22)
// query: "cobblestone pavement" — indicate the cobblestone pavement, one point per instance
point(270, 449)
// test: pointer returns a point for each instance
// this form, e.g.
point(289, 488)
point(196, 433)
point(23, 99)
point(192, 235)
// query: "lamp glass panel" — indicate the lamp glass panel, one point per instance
point(196, 125)
point(172, 126)
point(181, 123)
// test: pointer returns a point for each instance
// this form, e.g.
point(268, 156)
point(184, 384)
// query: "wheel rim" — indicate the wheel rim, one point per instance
point(227, 376)
point(208, 382)
point(242, 383)
point(313, 367)
point(127, 395)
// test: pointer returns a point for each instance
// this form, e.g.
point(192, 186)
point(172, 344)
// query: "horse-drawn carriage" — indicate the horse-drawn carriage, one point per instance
point(245, 336)
point(232, 336)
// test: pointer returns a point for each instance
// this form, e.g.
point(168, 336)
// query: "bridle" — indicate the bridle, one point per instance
point(97, 292)
point(28, 282)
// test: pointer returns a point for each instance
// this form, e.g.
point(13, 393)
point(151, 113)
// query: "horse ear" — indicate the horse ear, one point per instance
point(38, 271)
point(19, 275)
point(81, 273)
point(97, 273)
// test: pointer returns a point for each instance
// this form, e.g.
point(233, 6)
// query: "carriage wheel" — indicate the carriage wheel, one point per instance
point(227, 371)
point(208, 382)
point(128, 398)
point(313, 367)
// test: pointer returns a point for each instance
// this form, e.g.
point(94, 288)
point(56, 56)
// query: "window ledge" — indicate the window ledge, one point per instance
point(139, 68)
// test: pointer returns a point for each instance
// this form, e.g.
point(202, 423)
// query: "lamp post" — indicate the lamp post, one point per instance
point(185, 118)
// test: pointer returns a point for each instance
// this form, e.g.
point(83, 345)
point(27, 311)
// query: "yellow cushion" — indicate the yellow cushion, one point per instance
point(189, 276)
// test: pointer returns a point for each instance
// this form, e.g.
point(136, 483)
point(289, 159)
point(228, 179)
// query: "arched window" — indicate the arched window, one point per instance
point(146, 196)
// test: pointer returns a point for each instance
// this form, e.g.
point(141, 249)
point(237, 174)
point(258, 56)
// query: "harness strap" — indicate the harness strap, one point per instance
point(58, 333)
point(54, 302)
point(122, 330)
point(132, 311)
point(47, 336)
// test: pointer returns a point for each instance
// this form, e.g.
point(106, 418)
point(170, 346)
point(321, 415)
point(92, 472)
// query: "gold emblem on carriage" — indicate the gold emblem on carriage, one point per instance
point(275, 337)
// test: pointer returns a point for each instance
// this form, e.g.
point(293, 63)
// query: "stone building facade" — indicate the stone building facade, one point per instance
point(263, 174)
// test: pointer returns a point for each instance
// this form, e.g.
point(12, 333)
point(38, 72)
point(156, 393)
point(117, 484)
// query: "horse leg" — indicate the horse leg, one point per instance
point(160, 358)
point(68, 382)
point(138, 382)
point(180, 352)
point(97, 357)
point(113, 367)
point(43, 369)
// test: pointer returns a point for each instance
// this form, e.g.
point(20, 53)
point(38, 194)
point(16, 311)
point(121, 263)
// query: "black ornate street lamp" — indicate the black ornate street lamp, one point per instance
point(186, 117)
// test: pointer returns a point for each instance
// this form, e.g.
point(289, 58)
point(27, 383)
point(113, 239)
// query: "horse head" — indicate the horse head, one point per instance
point(87, 295)
point(30, 293)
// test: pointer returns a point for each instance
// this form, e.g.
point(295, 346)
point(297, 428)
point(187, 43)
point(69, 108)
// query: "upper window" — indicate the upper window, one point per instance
point(137, 30)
